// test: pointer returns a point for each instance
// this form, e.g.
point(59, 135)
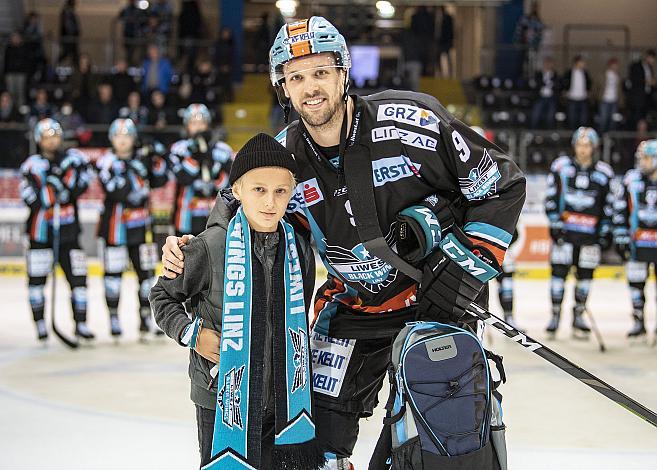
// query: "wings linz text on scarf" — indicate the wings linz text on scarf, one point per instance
point(233, 317)
point(296, 281)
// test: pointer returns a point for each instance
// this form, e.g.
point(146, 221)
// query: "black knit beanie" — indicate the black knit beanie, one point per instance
point(261, 150)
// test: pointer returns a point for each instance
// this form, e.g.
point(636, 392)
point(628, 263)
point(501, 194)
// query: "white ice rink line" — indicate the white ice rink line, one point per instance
point(127, 406)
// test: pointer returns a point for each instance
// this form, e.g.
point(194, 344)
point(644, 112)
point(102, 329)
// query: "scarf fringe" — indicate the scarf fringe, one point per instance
point(308, 455)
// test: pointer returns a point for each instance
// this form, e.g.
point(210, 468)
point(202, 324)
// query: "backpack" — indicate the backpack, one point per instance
point(443, 412)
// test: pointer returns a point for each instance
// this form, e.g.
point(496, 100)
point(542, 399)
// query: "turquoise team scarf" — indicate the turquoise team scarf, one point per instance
point(238, 419)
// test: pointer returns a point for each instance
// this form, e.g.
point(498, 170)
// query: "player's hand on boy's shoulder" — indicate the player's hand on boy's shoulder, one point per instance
point(173, 257)
point(207, 344)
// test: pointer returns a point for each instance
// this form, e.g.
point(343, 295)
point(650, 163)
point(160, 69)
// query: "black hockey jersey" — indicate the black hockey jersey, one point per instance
point(45, 183)
point(199, 177)
point(578, 200)
point(417, 149)
point(635, 215)
point(127, 185)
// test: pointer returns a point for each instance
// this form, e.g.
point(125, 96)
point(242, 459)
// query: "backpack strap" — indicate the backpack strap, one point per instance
point(383, 449)
point(497, 360)
point(360, 189)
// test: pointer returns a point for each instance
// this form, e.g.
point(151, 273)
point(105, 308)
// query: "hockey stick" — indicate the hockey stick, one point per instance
point(55, 249)
point(564, 364)
point(596, 331)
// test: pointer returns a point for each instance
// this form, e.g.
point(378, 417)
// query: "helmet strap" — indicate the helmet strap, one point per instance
point(284, 102)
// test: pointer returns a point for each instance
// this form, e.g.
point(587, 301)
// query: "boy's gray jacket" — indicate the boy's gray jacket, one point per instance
point(202, 281)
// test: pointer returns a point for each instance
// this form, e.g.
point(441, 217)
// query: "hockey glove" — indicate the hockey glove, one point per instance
point(556, 232)
point(453, 276)
point(138, 167)
point(62, 194)
point(420, 228)
point(200, 148)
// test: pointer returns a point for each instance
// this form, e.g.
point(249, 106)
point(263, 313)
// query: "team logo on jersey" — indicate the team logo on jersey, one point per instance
point(230, 398)
point(358, 265)
point(306, 194)
point(300, 359)
point(482, 180)
point(407, 114)
point(387, 170)
point(647, 215)
point(407, 137)
point(582, 181)
point(579, 199)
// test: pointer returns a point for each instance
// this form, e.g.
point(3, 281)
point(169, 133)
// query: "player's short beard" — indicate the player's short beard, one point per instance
point(326, 120)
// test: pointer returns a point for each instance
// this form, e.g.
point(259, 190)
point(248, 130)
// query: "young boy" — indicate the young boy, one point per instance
point(200, 167)
point(126, 175)
point(52, 182)
point(250, 280)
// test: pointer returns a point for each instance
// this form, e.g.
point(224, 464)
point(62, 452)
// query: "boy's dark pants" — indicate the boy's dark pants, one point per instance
point(205, 424)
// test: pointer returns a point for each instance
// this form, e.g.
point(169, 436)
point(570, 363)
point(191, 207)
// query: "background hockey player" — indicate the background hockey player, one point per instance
point(505, 279)
point(200, 165)
point(635, 228)
point(127, 174)
point(417, 150)
point(51, 178)
point(579, 207)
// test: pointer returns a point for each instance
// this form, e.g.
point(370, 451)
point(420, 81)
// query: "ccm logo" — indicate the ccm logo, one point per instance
point(454, 252)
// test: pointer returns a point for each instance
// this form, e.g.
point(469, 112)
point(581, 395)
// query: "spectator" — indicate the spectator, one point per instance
point(204, 83)
point(546, 83)
point(161, 10)
point(122, 82)
point(412, 56)
point(190, 30)
point(262, 41)
point(133, 19)
point(73, 129)
point(609, 100)
point(69, 32)
point(41, 108)
point(422, 24)
point(17, 67)
point(8, 112)
point(529, 35)
point(135, 110)
point(223, 60)
point(32, 31)
point(159, 114)
point(156, 71)
point(84, 82)
point(446, 52)
point(103, 110)
point(577, 85)
point(641, 83)
point(33, 37)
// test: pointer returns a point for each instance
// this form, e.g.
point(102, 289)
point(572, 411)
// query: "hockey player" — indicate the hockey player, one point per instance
point(505, 279)
point(579, 207)
point(635, 227)
point(200, 166)
point(54, 179)
point(127, 174)
point(417, 149)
